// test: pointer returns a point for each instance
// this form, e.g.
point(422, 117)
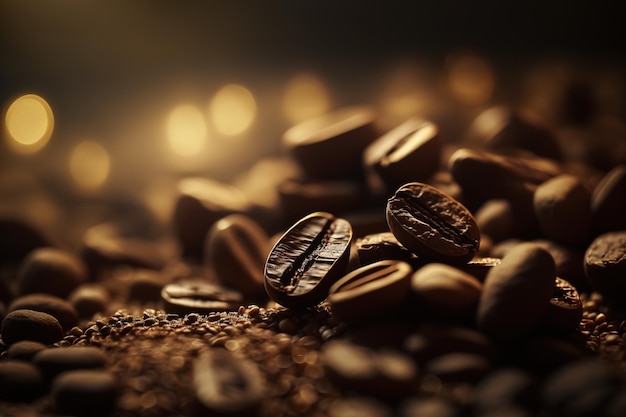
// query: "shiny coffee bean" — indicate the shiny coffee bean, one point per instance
point(330, 146)
point(85, 392)
point(307, 260)
point(236, 250)
point(226, 385)
point(381, 246)
point(57, 307)
point(370, 291)
point(52, 271)
point(516, 293)
point(409, 152)
point(605, 265)
point(30, 325)
point(198, 297)
point(432, 224)
point(565, 309)
point(608, 202)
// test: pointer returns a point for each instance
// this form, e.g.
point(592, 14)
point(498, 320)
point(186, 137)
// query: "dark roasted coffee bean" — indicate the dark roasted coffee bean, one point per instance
point(145, 285)
point(381, 246)
point(479, 267)
point(516, 293)
point(236, 250)
point(199, 297)
point(20, 381)
point(307, 260)
point(50, 270)
point(89, 299)
point(56, 360)
point(565, 309)
point(506, 388)
point(226, 385)
point(432, 224)
point(85, 392)
point(605, 265)
point(370, 291)
point(569, 263)
point(608, 202)
point(25, 350)
point(330, 146)
point(458, 367)
point(57, 307)
point(562, 206)
point(495, 218)
point(409, 152)
point(30, 325)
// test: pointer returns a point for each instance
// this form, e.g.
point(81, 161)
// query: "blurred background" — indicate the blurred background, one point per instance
point(107, 98)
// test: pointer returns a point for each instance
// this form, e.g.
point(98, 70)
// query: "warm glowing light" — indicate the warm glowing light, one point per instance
point(305, 97)
point(89, 165)
point(232, 109)
point(29, 123)
point(470, 79)
point(186, 130)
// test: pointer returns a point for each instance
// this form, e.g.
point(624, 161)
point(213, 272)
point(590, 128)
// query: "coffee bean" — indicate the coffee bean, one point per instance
point(57, 307)
point(370, 291)
point(307, 260)
point(20, 237)
point(479, 267)
point(409, 152)
point(608, 203)
point(199, 297)
point(495, 218)
point(569, 263)
point(605, 265)
point(236, 250)
point(25, 350)
point(20, 381)
point(85, 392)
point(429, 407)
point(54, 361)
point(380, 246)
point(145, 285)
point(516, 293)
point(330, 146)
point(30, 325)
point(565, 309)
point(226, 385)
point(458, 367)
point(432, 224)
point(562, 206)
point(52, 271)
point(89, 299)
point(359, 406)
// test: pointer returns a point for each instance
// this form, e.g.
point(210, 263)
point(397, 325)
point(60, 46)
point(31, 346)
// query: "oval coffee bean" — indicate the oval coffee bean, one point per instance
point(89, 299)
point(226, 385)
point(85, 392)
point(307, 260)
point(235, 250)
point(25, 350)
point(20, 381)
point(432, 224)
point(605, 265)
point(381, 246)
point(516, 293)
point(370, 290)
point(608, 203)
point(30, 325)
point(199, 297)
point(58, 307)
point(54, 361)
point(458, 367)
point(565, 309)
point(52, 271)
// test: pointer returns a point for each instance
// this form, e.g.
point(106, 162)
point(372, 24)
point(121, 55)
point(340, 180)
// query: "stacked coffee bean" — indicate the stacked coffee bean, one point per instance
point(403, 278)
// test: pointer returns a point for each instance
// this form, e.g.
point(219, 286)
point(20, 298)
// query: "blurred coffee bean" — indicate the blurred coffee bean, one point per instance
point(236, 250)
point(429, 407)
point(543, 354)
point(25, 350)
point(226, 385)
point(370, 291)
point(85, 392)
point(202, 202)
point(565, 309)
point(458, 367)
point(444, 182)
point(89, 299)
point(605, 265)
point(569, 263)
point(516, 293)
point(578, 104)
point(445, 292)
point(19, 238)
point(52, 271)
point(359, 406)
point(30, 325)
point(495, 218)
point(57, 307)
point(54, 361)
point(385, 331)
point(608, 202)
point(330, 146)
point(409, 152)
point(7, 292)
point(367, 221)
point(506, 388)
point(199, 297)
point(145, 285)
point(380, 246)
point(562, 206)
point(307, 260)
point(20, 381)
point(432, 224)
point(501, 249)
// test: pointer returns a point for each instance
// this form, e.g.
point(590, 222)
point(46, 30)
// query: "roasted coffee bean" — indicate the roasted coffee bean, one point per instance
point(605, 265)
point(227, 385)
point(20, 381)
point(381, 246)
point(89, 299)
point(307, 260)
point(445, 292)
point(330, 146)
point(479, 267)
point(409, 152)
point(52, 271)
point(429, 407)
point(432, 224)
point(565, 309)
point(370, 291)
point(608, 203)
point(85, 392)
point(236, 250)
point(506, 388)
point(562, 206)
point(458, 367)
point(569, 263)
point(25, 350)
point(145, 285)
point(495, 218)
point(516, 293)
point(367, 221)
point(57, 307)
point(202, 202)
point(30, 325)
point(57, 360)
point(199, 297)
point(359, 406)
point(20, 237)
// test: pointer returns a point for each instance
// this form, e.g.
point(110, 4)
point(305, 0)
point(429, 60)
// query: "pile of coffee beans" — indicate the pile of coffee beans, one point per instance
point(397, 273)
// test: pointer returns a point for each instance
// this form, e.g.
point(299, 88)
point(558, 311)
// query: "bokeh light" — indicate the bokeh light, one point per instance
point(29, 123)
point(470, 78)
point(186, 130)
point(89, 165)
point(232, 110)
point(305, 97)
